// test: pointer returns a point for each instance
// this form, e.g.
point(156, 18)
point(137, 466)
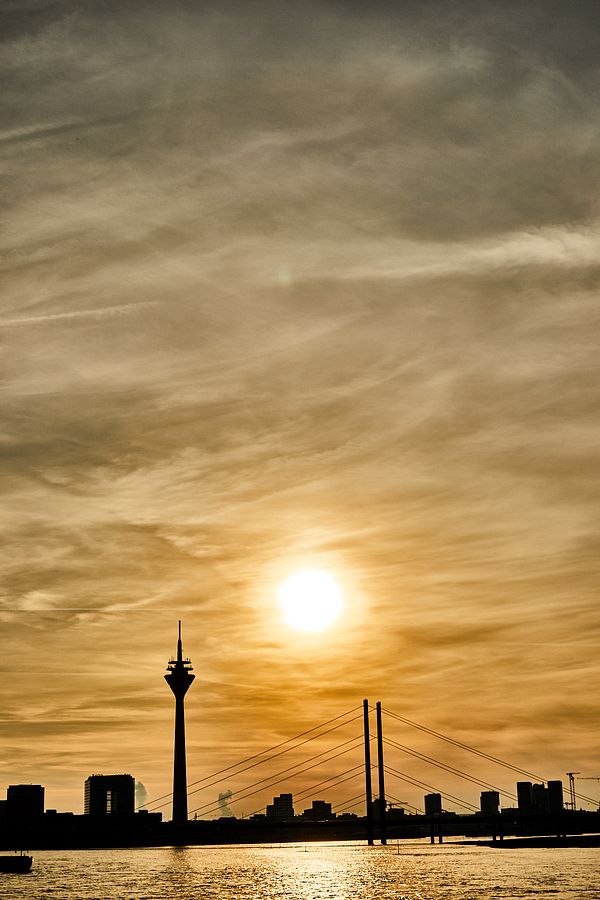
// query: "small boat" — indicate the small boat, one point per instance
point(17, 862)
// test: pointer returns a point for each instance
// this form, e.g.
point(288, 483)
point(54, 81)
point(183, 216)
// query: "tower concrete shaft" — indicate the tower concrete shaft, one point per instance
point(179, 677)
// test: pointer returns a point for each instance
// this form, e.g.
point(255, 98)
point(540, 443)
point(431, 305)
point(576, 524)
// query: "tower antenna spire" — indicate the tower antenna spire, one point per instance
point(179, 678)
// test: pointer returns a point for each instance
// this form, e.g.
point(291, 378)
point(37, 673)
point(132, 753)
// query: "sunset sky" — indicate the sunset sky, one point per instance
point(287, 286)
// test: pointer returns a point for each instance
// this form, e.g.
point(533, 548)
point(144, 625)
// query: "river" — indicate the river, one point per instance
point(412, 870)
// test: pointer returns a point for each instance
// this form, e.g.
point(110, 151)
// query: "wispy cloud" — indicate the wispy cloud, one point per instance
point(101, 312)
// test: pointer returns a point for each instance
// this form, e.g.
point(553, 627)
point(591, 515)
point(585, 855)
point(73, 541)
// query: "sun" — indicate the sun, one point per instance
point(310, 599)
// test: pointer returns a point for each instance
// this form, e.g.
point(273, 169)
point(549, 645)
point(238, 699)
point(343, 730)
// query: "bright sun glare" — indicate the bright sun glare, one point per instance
point(310, 599)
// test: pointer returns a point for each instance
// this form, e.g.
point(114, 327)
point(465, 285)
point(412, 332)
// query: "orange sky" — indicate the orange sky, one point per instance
point(298, 286)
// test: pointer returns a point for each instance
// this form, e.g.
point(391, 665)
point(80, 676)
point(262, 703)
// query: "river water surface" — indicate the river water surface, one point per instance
point(413, 870)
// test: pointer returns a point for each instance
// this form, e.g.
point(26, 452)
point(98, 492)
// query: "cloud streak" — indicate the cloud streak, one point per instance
point(123, 309)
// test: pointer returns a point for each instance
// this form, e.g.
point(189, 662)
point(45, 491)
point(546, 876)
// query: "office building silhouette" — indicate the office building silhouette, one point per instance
point(539, 798)
point(555, 796)
point(433, 804)
point(524, 796)
point(489, 803)
point(282, 807)
point(24, 802)
point(109, 795)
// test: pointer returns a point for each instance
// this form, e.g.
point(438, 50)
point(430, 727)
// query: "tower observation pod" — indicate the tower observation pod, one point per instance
point(179, 677)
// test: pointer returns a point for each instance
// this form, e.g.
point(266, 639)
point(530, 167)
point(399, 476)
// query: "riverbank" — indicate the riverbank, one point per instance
point(576, 840)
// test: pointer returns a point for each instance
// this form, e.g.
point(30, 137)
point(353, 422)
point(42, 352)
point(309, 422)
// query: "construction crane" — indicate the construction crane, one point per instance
point(571, 776)
point(590, 778)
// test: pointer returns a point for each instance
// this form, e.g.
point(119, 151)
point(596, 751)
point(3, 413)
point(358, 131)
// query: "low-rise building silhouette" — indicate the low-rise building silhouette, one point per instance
point(24, 802)
point(320, 811)
point(109, 795)
point(393, 812)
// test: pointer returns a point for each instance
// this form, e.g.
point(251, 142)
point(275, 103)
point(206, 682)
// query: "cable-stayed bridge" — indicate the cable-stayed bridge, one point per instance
point(363, 755)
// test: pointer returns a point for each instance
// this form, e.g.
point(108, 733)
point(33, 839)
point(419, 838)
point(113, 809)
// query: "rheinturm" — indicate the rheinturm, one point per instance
point(179, 677)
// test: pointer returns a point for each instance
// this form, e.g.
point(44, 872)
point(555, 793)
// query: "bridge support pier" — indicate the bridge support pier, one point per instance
point(381, 774)
point(368, 787)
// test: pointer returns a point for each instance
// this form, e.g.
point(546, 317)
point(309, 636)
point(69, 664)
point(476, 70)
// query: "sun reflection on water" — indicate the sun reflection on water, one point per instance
point(310, 872)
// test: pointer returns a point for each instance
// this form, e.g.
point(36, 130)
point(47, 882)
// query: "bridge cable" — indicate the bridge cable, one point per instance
point(285, 772)
point(403, 803)
point(347, 804)
point(423, 784)
point(447, 768)
point(480, 753)
point(463, 746)
point(307, 791)
point(290, 769)
point(262, 753)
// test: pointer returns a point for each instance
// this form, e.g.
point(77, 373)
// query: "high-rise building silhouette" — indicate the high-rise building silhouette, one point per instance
point(109, 795)
point(539, 798)
point(179, 677)
point(282, 807)
point(489, 803)
point(524, 796)
point(555, 796)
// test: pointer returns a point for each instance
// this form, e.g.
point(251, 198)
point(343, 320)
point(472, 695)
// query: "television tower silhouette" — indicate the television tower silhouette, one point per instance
point(179, 677)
